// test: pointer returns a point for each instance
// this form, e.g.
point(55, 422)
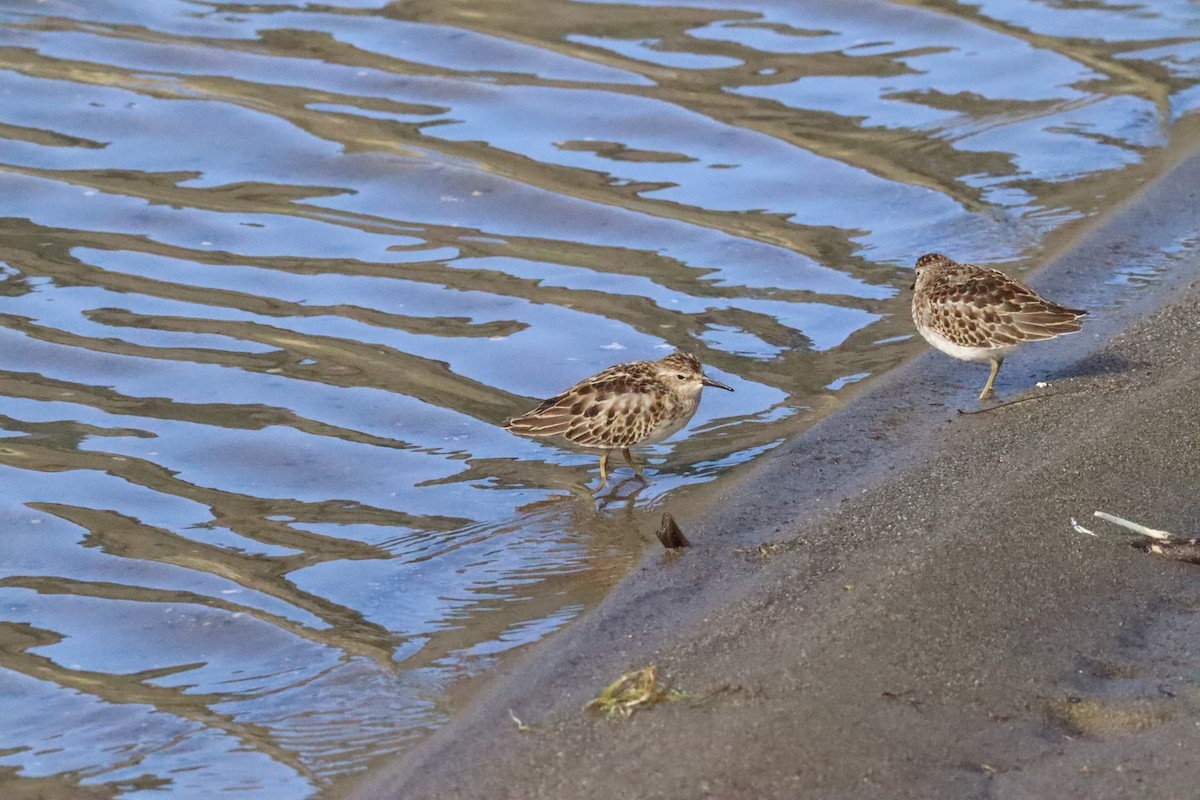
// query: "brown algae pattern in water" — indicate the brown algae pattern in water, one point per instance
point(271, 276)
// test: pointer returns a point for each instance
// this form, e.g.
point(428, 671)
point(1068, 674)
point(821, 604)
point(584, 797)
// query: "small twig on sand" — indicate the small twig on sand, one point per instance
point(1018, 401)
point(521, 726)
point(1079, 528)
point(1134, 526)
point(1159, 543)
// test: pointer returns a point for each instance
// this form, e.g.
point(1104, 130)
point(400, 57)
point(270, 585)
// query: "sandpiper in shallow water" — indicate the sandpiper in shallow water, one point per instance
point(979, 314)
point(642, 402)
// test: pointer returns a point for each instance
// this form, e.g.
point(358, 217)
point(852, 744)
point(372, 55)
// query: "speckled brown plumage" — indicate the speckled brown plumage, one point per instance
point(641, 402)
point(979, 314)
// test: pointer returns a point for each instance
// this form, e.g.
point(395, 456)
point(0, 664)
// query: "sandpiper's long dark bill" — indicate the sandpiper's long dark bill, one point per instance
point(979, 314)
point(642, 402)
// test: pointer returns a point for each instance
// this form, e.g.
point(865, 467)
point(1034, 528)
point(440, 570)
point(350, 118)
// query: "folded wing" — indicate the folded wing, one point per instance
point(991, 309)
point(602, 412)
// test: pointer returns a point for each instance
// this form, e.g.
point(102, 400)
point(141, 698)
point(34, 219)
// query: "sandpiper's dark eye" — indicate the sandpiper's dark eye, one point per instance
point(681, 377)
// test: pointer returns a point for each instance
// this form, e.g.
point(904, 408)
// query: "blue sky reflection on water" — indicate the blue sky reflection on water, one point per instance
point(271, 275)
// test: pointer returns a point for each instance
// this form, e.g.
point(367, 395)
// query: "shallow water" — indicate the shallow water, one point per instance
point(271, 274)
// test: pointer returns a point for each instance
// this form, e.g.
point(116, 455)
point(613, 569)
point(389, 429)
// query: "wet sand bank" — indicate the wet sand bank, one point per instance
point(895, 604)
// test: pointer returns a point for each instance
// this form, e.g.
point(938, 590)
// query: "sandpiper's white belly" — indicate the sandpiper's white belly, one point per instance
point(671, 424)
point(963, 352)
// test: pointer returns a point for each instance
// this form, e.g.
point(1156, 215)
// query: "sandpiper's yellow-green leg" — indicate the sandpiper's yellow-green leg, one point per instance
point(629, 460)
point(603, 470)
point(988, 389)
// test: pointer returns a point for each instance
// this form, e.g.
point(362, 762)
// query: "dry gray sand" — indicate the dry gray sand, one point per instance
point(895, 605)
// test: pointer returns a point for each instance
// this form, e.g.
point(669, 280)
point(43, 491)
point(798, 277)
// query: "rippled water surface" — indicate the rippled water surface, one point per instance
point(271, 274)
